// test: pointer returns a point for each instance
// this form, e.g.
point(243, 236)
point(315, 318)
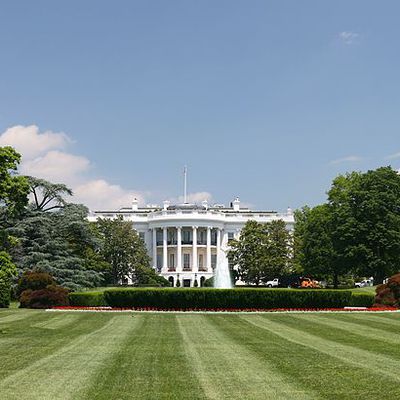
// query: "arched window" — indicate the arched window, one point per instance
point(202, 279)
point(171, 281)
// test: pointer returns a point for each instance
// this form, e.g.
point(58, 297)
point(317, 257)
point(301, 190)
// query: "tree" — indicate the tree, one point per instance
point(262, 251)
point(7, 272)
point(62, 243)
point(13, 188)
point(14, 191)
point(316, 251)
point(122, 248)
point(366, 219)
point(46, 195)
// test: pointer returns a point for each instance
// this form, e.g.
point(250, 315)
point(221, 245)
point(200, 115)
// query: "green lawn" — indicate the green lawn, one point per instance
point(50, 355)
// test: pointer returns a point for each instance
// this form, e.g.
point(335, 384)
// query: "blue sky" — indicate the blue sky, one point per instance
point(266, 100)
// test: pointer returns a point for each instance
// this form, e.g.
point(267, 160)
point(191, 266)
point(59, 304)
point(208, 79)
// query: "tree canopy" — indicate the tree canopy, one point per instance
point(262, 252)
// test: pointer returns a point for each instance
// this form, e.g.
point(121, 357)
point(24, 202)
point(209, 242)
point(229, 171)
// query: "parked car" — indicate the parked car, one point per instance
point(364, 283)
point(273, 283)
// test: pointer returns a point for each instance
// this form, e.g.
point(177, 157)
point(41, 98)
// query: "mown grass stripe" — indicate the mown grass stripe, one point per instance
point(387, 367)
point(62, 374)
point(151, 365)
point(353, 328)
point(227, 370)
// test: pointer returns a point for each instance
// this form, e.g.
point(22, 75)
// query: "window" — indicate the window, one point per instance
point(186, 262)
point(200, 260)
point(159, 261)
point(213, 260)
point(202, 237)
point(213, 237)
point(171, 236)
point(172, 261)
point(231, 236)
point(186, 236)
point(159, 236)
point(142, 236)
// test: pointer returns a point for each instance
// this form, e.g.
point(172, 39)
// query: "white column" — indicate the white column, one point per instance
point(195, 264)
point(208, 262)
point(155, 248)
point(165, 250)
point(179, 249)
point(218, 245)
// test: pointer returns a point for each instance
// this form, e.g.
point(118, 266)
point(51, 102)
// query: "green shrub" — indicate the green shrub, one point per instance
point(86, 299)
point(5, 292)
point(227, 298)
point(362, 300)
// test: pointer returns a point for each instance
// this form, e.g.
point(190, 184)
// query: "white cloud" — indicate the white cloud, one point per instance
point(28, 141)
point(349, 37)
point(43, 157)
point(393, 156)
point(100, 194)
point(346, 160)
point(57, 166)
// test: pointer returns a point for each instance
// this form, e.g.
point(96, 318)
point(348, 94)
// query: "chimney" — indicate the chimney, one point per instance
point(166, 204)
point(236, 204)
point(134, 204)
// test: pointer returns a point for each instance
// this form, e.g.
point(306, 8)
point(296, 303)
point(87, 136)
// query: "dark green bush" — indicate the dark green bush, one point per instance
point(362, 300)
point(5, 293)
point(87, 299)
point(227, 298)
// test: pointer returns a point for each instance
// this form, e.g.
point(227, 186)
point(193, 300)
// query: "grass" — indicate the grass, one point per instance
point(46, 355)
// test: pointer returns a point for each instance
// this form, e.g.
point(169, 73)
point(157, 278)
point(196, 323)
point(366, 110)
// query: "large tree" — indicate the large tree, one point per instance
point(122, 248)
point(316, 249)
point(61, 242)
point(262, 251)
point(366, 219)
point(13, 193)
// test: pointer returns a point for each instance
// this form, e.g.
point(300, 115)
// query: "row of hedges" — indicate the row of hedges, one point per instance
point(225, 298)
point(362, 299)
point(87, 299)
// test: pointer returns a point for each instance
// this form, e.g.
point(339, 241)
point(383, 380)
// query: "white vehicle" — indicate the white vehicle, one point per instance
point(273, 283)
point(364, 283)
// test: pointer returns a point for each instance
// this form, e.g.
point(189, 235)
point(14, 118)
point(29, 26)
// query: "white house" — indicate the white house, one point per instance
point(185, 240)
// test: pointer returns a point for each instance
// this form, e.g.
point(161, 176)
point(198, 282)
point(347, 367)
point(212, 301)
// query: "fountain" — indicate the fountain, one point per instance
point(222, 276)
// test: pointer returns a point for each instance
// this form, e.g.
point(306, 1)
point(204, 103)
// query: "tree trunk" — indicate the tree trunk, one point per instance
point(335, 281)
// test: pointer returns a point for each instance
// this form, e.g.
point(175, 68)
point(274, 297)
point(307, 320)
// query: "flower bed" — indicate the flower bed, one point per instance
point(222, 310)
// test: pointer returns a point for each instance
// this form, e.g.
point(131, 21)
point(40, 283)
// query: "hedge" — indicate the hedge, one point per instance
point(362, 300)
point(227, 298)
point(87, 299)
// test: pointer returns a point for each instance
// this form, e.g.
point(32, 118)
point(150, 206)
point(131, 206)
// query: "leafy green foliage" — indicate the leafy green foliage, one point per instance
point(60, 242)
point(86, 299)
point(7, 271)
point(356, 232)
point(362, 299)
point(366, 219)
point(226, 298)
point(262, 251)
point(125, 252)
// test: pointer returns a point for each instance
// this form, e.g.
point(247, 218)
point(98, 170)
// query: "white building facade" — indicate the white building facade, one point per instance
point(185, 241)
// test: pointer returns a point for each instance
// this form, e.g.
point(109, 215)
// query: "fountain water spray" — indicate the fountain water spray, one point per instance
point(222, 276)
